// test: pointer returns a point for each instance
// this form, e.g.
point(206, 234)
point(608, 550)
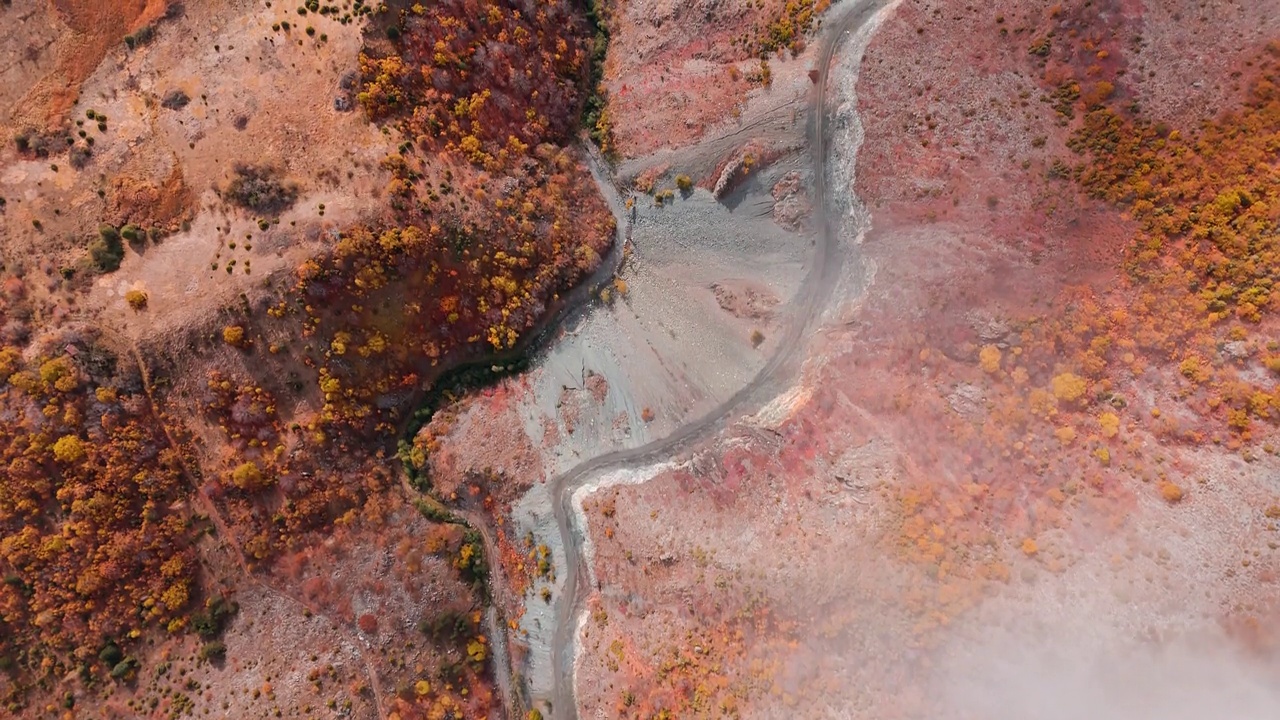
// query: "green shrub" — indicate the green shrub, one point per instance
point(123, 668)
point(107, 251)
point(209, 623)
point(110, 655)
point(144, 35)
point(215, 650)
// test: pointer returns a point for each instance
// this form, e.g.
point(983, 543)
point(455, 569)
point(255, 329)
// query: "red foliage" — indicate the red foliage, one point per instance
point(474, 73)
point(95, 540)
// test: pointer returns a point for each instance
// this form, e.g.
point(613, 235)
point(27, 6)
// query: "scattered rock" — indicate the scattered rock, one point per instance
point(597, 386)
point(1236, 350)
point(989, 328)
point(747, 303)
point(967, 400)
point(791, 205)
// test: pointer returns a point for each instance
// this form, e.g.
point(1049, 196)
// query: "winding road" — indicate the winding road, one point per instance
point(819, 281)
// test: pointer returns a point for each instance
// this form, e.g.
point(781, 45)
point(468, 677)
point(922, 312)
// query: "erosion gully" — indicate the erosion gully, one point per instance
point(821, 276)
point(820, 279)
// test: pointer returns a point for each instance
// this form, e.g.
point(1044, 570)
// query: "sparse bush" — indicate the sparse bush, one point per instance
point(1058, 169)
point(79, 156)
point(259, 189)
point(33, 143)
point(248, 476)
point(233, 335)
point(685, 183)
point(175, 100)
point(132, 233)
point(137, 299)
point(1069, 386)
point(989, 358)
point(144, 35)
point(210, 622)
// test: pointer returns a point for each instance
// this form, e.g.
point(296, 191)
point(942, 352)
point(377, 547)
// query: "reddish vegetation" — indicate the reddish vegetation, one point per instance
point(1049, 415)
point(95, 536)
point(404, 583)
point(501, 457)
point(492, 215)
point(476, 261)
point(474, 74)
point(1072, 382)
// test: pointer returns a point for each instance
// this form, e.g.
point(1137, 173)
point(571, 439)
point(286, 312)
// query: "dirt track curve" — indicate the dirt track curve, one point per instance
point(819, 281)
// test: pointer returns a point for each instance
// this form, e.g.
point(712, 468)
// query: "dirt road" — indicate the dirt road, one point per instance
point(820, 279)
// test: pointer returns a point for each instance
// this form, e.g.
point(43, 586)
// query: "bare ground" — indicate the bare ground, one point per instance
point(256, 96)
